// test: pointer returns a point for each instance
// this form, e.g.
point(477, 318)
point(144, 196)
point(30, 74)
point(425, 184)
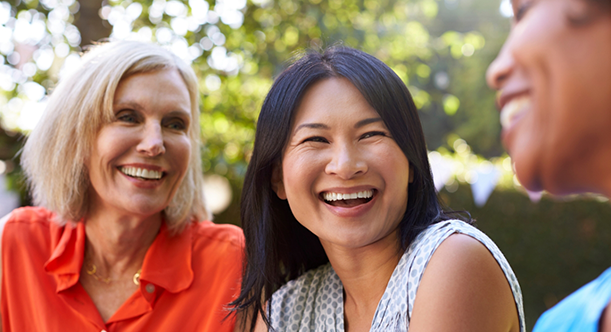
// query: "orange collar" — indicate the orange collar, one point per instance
point(167, 262)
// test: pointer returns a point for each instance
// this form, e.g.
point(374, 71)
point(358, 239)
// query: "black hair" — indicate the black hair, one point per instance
point(278, 247)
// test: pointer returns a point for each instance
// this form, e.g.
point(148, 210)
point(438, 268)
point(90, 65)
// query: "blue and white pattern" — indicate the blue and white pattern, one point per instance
point(314, 301)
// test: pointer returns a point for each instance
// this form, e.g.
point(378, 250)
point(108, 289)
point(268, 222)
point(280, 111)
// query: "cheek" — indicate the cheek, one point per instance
point(395, 168)
point(108, 145)
point(292, 181)
point(299, 173)
point(391, 161)
point(180, 151)
point(401, 173)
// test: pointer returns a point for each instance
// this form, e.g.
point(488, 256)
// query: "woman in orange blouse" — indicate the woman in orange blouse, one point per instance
point(115, 244)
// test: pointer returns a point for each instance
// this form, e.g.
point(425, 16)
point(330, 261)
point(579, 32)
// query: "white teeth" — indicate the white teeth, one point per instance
point(141, 173)
point(513, 109)
point(337, 196)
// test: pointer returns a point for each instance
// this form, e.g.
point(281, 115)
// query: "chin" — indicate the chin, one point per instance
point(529, 180)
point(351, 241)
point(145, 210)
point(553, 177)
point(527, 169)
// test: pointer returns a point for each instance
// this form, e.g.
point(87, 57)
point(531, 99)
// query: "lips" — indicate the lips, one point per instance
point(513, 110)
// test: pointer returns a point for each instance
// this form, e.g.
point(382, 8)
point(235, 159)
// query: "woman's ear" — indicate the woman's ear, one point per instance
point(411, 174)
point(277, 184)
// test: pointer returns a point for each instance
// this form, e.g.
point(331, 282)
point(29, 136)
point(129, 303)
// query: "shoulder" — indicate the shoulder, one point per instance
point(29, 235)
point(449, 227)
point(460, 237)
point(217, 247)
point(460, 253)
point(207, 231)
point(464, 278)
point(33, 219)
point(29, 214)
point(580, 310)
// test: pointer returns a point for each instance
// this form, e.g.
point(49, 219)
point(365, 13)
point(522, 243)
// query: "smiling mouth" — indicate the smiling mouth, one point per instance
point(141, 173)
point(348, 200)
point(513, 110)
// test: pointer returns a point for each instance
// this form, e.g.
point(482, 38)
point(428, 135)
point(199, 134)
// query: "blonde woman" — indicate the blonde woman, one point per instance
point(116, 242)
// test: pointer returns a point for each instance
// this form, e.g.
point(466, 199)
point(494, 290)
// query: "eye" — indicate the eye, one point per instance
point(177, 124)
point(522, 10)
point(315, 139)
point(127, 116)
point(372, 134)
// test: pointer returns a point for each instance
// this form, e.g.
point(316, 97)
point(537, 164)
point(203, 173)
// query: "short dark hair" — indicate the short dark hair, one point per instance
point(278, 247)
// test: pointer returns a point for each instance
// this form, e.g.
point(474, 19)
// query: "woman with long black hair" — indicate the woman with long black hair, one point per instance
point(343, 227)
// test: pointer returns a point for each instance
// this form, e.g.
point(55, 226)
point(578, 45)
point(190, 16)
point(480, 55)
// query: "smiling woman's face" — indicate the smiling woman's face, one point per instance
point(344, 176)
point(554, 77)
point(140, 158)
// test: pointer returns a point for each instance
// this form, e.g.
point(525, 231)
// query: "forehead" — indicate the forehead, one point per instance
point(163, 78)
point(333, 99)
point(161, 86)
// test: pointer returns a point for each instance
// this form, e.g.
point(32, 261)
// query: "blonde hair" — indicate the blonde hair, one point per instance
point(54, 154)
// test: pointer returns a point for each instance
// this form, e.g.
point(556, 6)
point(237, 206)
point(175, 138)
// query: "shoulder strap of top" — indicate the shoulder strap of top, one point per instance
point(405, 280)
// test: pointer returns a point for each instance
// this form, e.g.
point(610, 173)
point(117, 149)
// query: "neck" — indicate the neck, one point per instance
point(365, 272)
point(117, 244)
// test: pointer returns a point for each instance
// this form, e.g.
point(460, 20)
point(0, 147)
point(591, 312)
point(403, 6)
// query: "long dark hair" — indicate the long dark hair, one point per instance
point(278, 247)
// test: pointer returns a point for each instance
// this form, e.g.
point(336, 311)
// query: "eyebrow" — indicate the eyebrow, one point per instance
point(312, 126)
point(365, 122)
point(179, 112)
point(127, 104)
point(359, 124)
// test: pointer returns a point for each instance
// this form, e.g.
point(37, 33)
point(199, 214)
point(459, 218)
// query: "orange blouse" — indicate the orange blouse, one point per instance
point(185, 284)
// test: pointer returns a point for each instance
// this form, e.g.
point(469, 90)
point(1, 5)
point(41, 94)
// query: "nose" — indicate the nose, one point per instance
point(151, 143)
point(501, 68)
point(347, 162)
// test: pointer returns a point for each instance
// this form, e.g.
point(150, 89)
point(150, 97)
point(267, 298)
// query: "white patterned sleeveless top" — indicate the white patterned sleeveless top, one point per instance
point(314, 301)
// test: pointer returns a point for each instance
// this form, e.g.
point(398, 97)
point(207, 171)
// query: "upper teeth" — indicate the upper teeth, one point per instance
point(512, 109)
point(141, 172)
point(337, 196)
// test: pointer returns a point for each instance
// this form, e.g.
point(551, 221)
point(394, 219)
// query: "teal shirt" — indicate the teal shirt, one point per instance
point(581, 310)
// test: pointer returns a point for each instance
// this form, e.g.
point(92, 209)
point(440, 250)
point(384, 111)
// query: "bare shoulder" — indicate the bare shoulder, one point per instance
point(464, 289)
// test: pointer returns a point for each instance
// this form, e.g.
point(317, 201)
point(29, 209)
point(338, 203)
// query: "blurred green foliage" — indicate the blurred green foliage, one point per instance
point(440, 50)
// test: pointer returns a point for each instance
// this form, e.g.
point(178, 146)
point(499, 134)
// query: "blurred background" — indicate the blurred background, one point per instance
point(440, 48)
